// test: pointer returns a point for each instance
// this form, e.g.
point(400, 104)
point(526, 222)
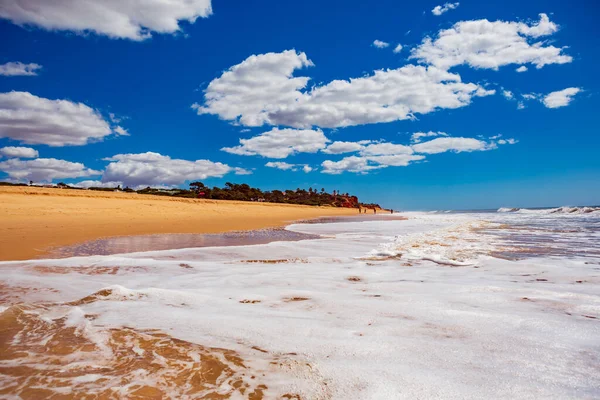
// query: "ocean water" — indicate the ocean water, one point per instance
point(502, 305)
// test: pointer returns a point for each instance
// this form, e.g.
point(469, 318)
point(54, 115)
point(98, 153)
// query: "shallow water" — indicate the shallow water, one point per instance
point(471, 305)
point(141, 243)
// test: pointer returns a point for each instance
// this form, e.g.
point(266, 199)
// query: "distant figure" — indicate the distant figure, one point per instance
point(374, 211)
point(391, 211)
point(359, 210)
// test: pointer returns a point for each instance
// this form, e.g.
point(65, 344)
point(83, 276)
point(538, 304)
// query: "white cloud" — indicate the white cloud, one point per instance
point(120, 131)
point(385, 149)
point(416, 137)
point(379, 44)
point(522, 68)
point(36, 120)
point(345, 147)
point(92, 183)
point(250, 90)
point(349, 164)
point(19, 69)
point(508, 95)
point(530, 96)
point(149, 169)
point(287, 166)
point(44, 169)
point(18, 152)
point(281, 143)
point(398, 48)
point(385, 154)
point(242, 171)
point(485, 44)
point(560, 98)
point(124, 19)
point(364, 164)
point(261, 90)
point(455, 144)
point(439, 10)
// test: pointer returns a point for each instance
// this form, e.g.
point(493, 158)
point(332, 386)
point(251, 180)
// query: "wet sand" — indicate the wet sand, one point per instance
point(37, 220)
point(174, 241)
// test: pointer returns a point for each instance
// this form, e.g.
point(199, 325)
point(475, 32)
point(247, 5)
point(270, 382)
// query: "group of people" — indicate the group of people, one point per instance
point(360, 210)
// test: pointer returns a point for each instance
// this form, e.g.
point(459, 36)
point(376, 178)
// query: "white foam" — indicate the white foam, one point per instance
point(368, 326)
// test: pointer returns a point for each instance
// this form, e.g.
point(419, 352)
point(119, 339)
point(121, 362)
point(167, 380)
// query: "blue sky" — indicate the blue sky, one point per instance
point(127, 91)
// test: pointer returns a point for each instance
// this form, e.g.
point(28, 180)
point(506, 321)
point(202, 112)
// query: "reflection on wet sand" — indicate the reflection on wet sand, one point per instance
point(132, 244)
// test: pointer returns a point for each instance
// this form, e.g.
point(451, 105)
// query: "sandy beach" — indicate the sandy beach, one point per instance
point(35, 220)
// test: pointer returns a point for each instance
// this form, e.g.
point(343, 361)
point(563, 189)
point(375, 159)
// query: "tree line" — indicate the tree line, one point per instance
point(244, 192)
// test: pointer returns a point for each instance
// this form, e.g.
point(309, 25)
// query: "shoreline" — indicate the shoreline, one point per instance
point(37, 221)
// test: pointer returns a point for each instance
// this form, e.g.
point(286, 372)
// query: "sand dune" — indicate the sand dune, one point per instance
point(35, 220)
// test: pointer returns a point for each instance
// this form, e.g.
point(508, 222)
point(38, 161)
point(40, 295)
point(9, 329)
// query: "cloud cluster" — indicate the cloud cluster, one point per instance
point(147, 169)
point(439, 10)
point(485, 44)
point(44, 169)
point(261, 90)
point(417, 136)
point(377, 155)
point(18, 152)
point(124, 19)
point(560, 98)
point(19, 69)
point(280, 143)
point(36, 120)
point(288, 167)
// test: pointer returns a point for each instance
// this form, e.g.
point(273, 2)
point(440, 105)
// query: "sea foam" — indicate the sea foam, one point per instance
point(421, 308)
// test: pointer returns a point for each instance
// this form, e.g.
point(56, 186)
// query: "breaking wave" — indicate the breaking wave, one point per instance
point(558, 210)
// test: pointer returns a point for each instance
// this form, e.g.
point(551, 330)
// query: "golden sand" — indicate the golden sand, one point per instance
point(34, 220)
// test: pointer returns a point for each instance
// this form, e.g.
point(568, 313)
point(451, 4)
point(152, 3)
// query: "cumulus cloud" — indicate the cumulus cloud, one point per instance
point(485, 44)
point(340, 147)
point(44, 169)
point(148, 169)
point(522, 68)
point(281, 143)
point(455, 144)
point(19, 69)
point(417, 136)
point(385, 149)
point(18, 152)
point(261, 90)
point(349, 164)
point(439, 10)
point(36, 120)
point(364, 164)
point(288, 167)
point(560, 98)
point(380, 44)
point(380, 155)
point(398, 48)
point(124, 19)
point(248, 91)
